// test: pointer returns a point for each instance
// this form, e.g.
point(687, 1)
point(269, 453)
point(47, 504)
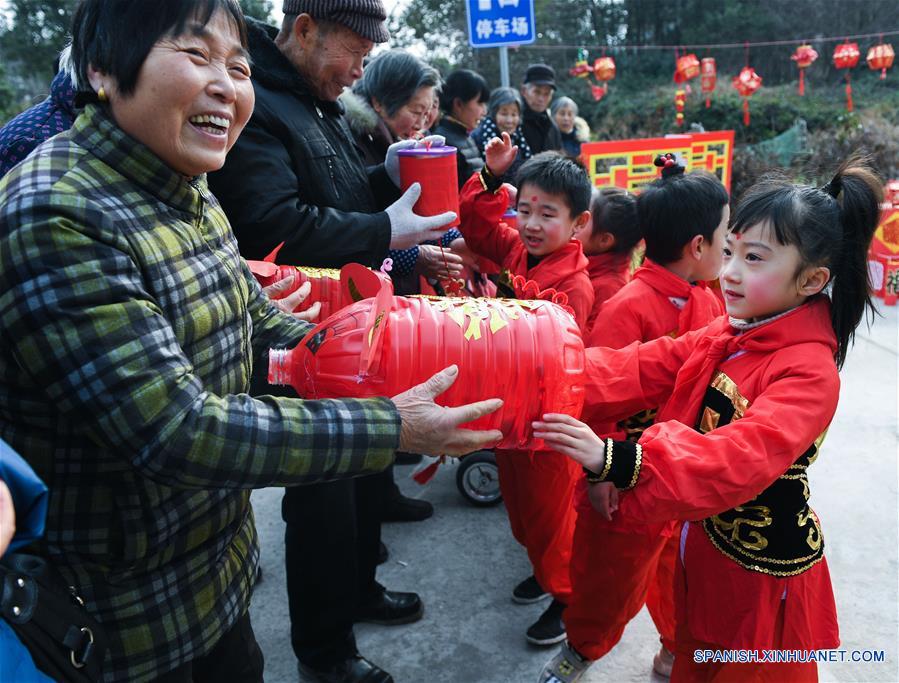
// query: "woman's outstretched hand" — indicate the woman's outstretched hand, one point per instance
point(434, 430)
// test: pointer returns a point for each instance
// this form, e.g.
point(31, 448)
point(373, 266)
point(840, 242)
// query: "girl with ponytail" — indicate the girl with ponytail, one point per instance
point(747, 402)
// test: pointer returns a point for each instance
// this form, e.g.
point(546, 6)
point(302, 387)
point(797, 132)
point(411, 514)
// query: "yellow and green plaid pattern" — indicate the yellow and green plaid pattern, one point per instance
point(130, 326)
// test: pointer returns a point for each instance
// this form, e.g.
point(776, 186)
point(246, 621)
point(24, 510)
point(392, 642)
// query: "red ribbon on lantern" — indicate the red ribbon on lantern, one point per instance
point(881, 57)
point(709, 73)
point(746, 83)
point(804, 56)
point(845, 56)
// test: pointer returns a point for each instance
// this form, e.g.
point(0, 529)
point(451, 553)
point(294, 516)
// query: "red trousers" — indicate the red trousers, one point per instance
point(613, 574)
point(687, 670)
point(538, 489)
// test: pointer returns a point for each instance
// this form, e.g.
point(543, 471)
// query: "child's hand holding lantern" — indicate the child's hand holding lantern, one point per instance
point(500, 155)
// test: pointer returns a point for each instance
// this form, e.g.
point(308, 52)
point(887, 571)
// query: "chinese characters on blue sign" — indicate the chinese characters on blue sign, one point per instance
point(494, 23)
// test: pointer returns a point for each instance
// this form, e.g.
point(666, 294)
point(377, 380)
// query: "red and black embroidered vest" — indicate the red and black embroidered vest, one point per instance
point(776, 532)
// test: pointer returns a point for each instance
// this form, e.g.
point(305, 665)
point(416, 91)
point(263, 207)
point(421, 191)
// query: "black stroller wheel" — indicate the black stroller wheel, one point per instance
point(478, 479)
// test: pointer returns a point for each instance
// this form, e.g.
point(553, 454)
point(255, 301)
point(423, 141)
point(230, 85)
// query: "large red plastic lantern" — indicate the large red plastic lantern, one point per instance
point(686, 67)
point(334, 289)
point(845, 56)
point(881, 57)
point(804, 56)
point(529, 353)
point(709, 78)
point(746, 83)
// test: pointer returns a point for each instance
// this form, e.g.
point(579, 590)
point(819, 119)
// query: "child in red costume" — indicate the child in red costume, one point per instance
point(553, 204)
point(731, 448)
point(617, 566)
point(609, 243)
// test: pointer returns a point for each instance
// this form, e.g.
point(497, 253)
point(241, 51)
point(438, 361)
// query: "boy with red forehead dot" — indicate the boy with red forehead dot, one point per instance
point(553, 205)
point(608, 245)
point(747, 402)
point(617, 565)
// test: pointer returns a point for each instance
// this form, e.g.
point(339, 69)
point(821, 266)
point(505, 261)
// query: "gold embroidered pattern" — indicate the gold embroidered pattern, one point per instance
point(758, 517)
point(728, 387)
point(759, 535)
point(638, 465)
point(764, 570)
point(709, 420)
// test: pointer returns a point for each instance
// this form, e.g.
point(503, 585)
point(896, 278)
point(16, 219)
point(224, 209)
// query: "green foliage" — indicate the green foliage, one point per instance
point(8, 107)
point(39, 30)
point(258, 9)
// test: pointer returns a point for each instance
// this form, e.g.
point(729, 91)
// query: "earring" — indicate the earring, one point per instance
point(101, 94)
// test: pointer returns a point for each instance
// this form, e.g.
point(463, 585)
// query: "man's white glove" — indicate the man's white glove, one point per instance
point(392, 161)
point(408, 228)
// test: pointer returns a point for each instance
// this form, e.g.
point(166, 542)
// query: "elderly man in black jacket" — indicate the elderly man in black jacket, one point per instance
point(539, 129)
point(295, 176)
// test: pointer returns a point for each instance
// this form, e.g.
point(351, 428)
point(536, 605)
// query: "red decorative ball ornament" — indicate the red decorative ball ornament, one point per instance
point(709, 78)
point(746, 83)
point(804, 56)
point(603, 71)
point(881, 57)
point(845, 56)
point(530, 353)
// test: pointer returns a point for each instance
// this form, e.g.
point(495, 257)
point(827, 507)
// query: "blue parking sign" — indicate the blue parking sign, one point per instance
point(495, 23)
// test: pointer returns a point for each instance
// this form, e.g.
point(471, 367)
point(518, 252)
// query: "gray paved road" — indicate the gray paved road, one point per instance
point(464, 561)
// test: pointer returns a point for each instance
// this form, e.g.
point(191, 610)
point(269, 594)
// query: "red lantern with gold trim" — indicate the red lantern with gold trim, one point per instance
point(686, 67)
point(709, 78)
point(881, 57)
point(332, 288)
point(746, 83)
point(804, 56)
point(845, 56)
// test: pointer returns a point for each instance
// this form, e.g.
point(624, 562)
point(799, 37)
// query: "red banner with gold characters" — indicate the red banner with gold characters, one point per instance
point(628, 163)
point(883, 257)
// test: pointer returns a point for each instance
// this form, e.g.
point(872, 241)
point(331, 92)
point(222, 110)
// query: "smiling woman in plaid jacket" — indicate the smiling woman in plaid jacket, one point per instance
point(130, 327)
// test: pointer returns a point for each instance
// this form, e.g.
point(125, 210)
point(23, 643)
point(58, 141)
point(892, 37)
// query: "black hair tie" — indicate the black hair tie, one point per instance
point(834, 187)
point(668, 163)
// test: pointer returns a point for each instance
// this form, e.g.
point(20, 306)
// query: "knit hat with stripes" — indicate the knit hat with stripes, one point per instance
point(364, 17)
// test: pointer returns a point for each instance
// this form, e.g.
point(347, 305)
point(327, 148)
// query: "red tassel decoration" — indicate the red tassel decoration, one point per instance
point(848, 93)
point(801, 82)
point(745, 111)
point(423, 476)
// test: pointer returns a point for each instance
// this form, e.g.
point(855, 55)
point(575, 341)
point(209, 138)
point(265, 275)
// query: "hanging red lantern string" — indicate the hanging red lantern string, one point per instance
point(804, 56)
point(709, 78)
point(680, 99)
point(746, 83)
point(881, 57)
point(845, 56)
